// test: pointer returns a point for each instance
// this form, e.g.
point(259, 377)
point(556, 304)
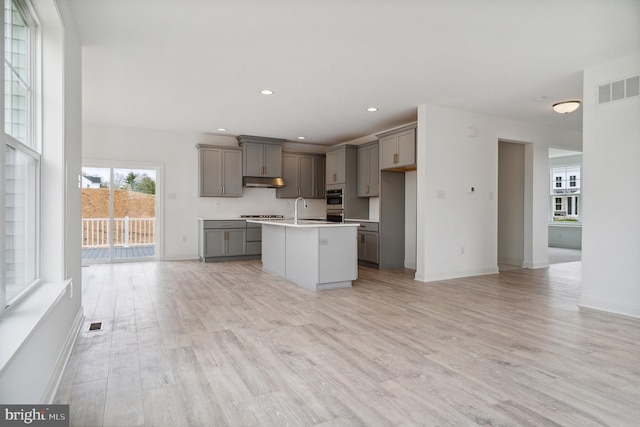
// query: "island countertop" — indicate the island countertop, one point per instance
point(317, 255)
point(306, 223)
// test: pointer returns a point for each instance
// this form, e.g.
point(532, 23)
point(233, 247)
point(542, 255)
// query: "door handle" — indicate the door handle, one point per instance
point(395, 158)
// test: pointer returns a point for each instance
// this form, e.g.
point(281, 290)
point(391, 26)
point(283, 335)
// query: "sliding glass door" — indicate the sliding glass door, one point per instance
point(118, 214)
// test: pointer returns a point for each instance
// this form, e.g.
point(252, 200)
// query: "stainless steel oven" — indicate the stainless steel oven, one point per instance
point(335, 215)
point(335, 205)
point(334, 199)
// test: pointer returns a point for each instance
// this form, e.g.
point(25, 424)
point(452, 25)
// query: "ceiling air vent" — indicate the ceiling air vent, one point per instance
point(620, 89)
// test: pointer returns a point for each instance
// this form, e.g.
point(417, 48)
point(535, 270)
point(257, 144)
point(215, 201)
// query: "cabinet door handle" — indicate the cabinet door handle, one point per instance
point(223, 189)
point(264, 170)
point(366, 191)
point(395, 158)
point(335, 177)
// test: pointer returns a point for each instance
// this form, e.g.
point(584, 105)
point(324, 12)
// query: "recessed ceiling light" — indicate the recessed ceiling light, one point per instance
point(302, 137)
point(372, 109)
point(266, 92)
point(222, 129)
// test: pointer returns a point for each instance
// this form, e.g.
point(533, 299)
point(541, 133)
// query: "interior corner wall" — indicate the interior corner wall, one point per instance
point(457, 194)
point(611, 231)
point(457, 228)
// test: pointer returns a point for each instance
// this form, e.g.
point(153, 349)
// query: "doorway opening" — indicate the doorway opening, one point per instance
point(511, 205)
point(565, 206)
point(119, 214)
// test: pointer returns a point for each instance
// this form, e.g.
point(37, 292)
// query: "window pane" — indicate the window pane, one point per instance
point(20, 221)
point(16, 78)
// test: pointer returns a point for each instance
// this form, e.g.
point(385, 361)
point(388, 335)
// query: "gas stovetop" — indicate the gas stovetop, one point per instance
point(262, 216)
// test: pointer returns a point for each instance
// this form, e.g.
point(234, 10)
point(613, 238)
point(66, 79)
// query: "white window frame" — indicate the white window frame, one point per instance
point(566, 193)
point(33, 149)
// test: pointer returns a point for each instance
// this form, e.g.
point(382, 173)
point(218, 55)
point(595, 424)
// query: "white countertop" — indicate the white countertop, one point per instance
point(362, 220)
point(288, 222)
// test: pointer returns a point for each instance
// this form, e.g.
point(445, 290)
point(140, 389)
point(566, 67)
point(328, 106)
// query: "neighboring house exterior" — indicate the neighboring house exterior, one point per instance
point(91, 181)
point(565, 191)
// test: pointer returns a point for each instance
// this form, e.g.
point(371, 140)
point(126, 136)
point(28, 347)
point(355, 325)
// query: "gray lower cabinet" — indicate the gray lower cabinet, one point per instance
point(368, 246)
point(222, 240)
point(368, 241)
point(220, 171)
point(254, 239)
point(225, 242)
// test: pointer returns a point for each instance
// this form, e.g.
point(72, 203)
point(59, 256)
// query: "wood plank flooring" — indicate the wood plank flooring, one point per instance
point(193, 344)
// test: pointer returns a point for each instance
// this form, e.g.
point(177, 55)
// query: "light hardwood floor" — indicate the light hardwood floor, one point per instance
point(186, 344)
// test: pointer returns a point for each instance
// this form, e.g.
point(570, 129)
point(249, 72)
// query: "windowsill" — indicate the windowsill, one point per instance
point(19, 321)
point(565, 224)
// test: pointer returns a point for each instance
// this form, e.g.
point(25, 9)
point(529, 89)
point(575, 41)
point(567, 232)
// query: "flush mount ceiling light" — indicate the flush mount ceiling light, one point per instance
point(302, 137)
point(266, 92)
point(372, 109)
point(565, 107)
point(222, 129)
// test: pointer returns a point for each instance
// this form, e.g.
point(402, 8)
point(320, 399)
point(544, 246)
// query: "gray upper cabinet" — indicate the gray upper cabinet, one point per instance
point(220, 171)
point(398, 149)
point(368, 170)
point(290, 177)
point(262, 156)
point(303, 175)
point(320, 178)
point(336, 162)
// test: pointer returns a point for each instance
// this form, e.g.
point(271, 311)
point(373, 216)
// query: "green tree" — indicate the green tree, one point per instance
point(146, 185)
point(130, 181)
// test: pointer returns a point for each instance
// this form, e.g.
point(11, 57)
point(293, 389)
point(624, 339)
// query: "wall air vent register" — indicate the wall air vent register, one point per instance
point(618, 90)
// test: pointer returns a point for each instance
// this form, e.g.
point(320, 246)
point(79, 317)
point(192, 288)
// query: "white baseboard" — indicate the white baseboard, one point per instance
point(445, 275)
point(536, 264)
point(609, 306)
point(516, 262)
point(49, 394)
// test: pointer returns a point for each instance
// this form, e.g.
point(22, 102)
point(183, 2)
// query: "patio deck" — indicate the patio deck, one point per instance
point(102, 253)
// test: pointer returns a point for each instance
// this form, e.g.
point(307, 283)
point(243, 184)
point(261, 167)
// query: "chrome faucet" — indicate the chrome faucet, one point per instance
point(295, 209)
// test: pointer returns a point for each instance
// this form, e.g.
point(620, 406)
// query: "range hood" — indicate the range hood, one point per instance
point(262, 182)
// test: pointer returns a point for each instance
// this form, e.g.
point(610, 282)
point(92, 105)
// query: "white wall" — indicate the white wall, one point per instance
point(457, 229)
point(611, 238)
point(178, 154)
point(34, 371)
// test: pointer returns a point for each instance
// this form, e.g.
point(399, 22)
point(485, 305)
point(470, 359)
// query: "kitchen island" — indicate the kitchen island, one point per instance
point(316, 255)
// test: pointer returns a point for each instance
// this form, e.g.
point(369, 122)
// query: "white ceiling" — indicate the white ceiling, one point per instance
point(199, 65)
